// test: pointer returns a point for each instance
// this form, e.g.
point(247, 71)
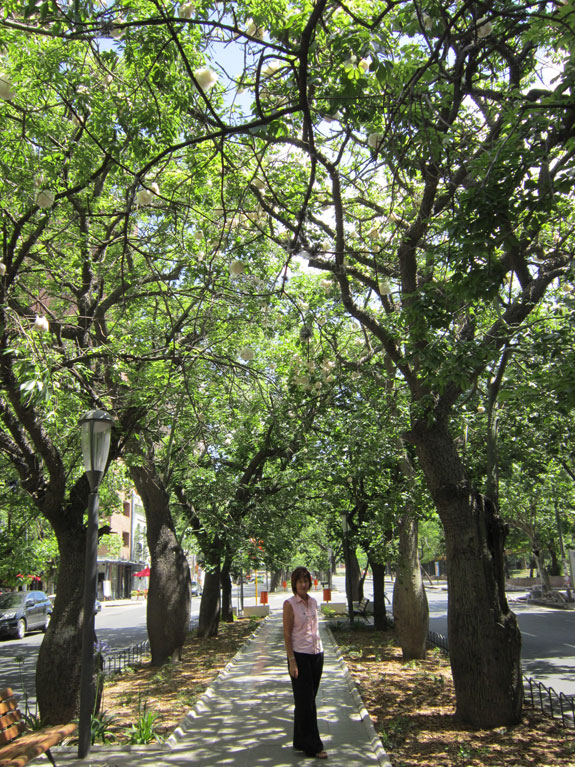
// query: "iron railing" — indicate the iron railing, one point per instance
point(117, 660)
point(438, 640)
point(559, 706)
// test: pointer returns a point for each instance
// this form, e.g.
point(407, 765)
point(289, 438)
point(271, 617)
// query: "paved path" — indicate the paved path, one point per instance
point(245, 718)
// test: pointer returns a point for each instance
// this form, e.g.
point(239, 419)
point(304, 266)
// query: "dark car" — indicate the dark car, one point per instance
point(196, 589)
point(22, 611)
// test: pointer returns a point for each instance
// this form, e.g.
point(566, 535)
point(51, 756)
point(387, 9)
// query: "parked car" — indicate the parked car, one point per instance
point(97, 603)
point(196, 589)
point(22, 611)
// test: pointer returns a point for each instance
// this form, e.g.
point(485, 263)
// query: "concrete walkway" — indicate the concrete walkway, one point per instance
point(245, 718)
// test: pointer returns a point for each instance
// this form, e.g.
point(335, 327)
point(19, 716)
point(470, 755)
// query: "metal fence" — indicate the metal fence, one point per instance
point(117, 660)
point(559, 706)
point(438, 640)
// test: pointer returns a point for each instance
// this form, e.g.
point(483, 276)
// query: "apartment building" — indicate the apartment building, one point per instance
point(124, 551)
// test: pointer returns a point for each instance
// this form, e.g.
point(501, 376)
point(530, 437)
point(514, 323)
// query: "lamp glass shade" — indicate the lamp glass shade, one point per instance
point(95, 429)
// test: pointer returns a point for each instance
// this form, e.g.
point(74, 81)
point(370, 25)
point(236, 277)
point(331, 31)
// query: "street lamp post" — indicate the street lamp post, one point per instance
point(95, 430)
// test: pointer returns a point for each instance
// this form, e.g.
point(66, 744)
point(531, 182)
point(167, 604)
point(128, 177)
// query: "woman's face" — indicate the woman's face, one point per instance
point(302, 586)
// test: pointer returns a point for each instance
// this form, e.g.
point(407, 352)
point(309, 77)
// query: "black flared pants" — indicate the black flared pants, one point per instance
point(305, 730)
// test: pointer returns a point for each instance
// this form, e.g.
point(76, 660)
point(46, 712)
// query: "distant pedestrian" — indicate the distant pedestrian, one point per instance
point(305, 662)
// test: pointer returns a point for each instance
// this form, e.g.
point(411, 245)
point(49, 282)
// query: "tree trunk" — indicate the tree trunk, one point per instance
point(59, 658)
point(354, 575)
point(555, 568)
point(170, 592)
point(484, 638)
point(542, 570)
point(226, 584)
point(379, 609)
point(410, 608)
point(210, 604)
point(275, 580)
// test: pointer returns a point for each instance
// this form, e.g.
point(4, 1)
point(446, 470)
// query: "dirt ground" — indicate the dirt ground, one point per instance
point(411, 704)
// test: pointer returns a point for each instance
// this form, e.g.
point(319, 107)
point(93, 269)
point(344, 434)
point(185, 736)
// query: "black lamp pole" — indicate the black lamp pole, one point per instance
point(96, 426)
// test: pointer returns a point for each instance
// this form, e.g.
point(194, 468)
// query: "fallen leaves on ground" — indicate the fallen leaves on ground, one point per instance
point(412, 706)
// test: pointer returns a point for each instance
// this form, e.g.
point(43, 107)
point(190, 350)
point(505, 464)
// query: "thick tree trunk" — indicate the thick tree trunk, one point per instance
point(484, 638)
point(379, 610)
point(226, 584)
point(410, 608)
point(59, 658)
point(169, 593)
point(210, 604)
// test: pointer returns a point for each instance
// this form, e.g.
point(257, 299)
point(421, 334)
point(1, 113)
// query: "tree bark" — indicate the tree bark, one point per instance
point(354, 575)
point(275, 580)
point(541, 569)
point(379, 609)
point(484, 638)
point(59, 658)
point(170, 591)
point(555, 568)
point(210, 604)
point(226, 584)
point(410, 608)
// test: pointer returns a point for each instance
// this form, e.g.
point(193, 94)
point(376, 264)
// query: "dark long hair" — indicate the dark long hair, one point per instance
point(299, 572)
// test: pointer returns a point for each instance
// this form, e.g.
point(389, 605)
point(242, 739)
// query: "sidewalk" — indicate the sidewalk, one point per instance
point(245, 718)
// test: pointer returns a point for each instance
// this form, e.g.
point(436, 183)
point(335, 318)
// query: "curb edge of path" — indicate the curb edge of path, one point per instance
point(376, 743)
point(180, 730)
point(200, 705)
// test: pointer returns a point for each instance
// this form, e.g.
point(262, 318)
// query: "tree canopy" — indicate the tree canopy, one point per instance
point(292, 205)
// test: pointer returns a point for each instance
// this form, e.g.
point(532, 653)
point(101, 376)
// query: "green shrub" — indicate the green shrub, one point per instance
point(101, 728)
point(144, 730)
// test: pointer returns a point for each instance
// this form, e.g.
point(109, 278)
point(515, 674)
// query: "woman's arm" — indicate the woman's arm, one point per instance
point(288, 628)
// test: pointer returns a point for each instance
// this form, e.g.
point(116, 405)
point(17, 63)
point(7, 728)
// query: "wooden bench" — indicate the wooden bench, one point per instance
point(362, 608)
point(16, 750)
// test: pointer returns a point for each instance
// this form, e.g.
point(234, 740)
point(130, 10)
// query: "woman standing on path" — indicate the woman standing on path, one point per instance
point(305, 662)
